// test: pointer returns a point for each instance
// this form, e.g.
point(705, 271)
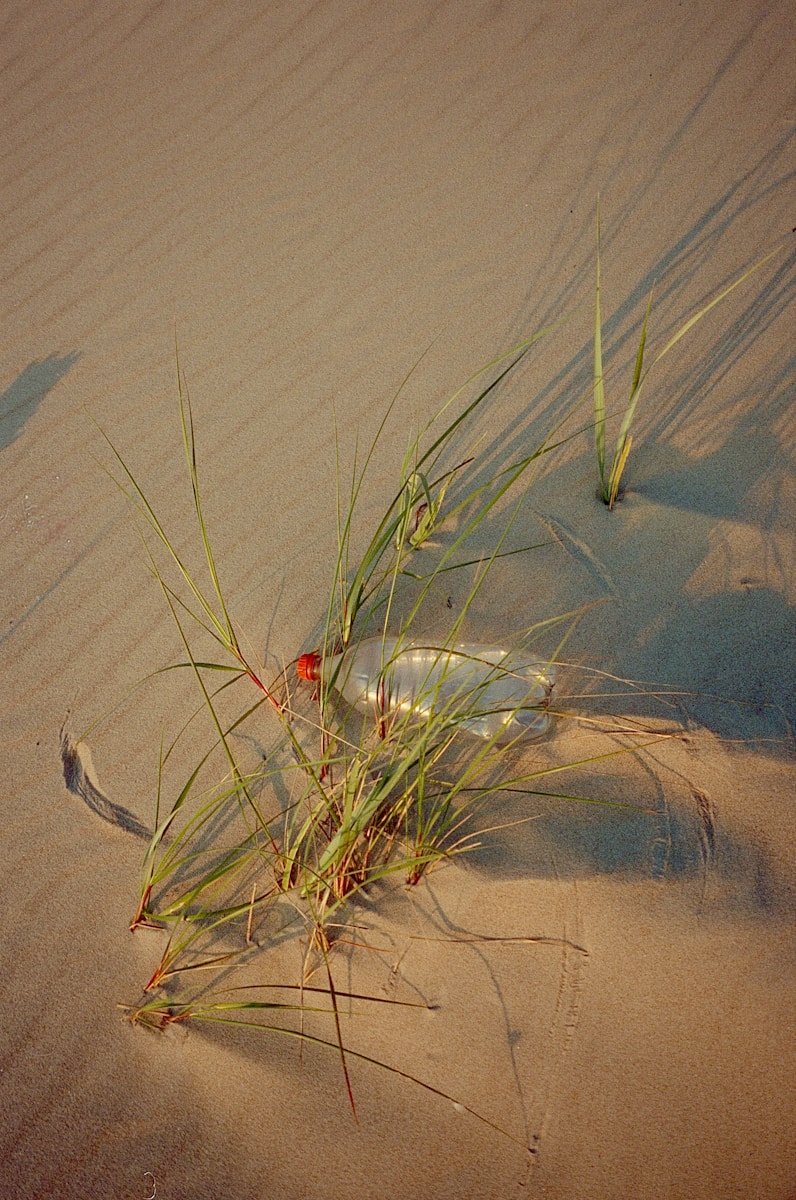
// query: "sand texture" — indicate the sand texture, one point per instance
point(317, 197)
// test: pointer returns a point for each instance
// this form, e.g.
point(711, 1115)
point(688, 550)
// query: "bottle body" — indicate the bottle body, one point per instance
point(488, 691)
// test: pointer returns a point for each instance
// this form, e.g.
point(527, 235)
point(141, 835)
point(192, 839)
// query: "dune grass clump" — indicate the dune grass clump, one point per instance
point(610, 476)
point(359, 801)
point(296, 804)
point(293, 806)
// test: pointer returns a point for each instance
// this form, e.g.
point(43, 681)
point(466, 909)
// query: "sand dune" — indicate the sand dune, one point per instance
point(310, 195)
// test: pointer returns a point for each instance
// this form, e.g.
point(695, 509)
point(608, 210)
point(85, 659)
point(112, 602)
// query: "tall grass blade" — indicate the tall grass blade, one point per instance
point(599, 385)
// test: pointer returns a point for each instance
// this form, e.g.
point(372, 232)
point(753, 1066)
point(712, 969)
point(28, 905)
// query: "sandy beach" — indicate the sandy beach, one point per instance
point(317, 201)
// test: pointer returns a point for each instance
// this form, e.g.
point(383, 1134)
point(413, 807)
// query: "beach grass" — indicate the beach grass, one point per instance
point(245, 848)
point(611, 473)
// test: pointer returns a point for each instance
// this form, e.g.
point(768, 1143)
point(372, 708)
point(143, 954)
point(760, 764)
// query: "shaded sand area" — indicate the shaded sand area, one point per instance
point(312, 194)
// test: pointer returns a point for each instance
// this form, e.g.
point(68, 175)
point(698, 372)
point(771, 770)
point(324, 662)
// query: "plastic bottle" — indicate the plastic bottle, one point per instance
point(486, 690)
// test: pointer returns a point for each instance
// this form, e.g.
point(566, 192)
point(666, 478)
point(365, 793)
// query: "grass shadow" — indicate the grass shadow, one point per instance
point(21, 400)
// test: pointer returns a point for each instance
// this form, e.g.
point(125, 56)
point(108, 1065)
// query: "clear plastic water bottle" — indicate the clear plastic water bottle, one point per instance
point(487, 690)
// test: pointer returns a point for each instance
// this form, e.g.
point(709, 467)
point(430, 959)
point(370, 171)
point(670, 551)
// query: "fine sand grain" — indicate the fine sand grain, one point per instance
point(310, 193)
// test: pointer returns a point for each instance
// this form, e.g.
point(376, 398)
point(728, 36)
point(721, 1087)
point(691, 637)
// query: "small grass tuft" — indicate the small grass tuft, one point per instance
point(610, 476)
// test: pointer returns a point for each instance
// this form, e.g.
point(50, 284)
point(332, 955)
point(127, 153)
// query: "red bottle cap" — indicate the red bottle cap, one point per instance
point(309, 666)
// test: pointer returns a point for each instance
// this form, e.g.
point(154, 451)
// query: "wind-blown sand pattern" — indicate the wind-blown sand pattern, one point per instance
point(310, 193)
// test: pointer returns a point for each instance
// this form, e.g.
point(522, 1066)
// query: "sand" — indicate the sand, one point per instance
point(310, 194)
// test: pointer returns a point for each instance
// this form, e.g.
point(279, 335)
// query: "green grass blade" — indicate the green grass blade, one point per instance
point(691, 322)
point(622, 449)
point(599, 386)
point(189, 445)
